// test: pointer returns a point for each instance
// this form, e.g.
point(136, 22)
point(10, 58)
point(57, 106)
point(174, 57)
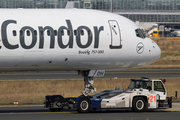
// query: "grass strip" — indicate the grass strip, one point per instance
point(34, 92)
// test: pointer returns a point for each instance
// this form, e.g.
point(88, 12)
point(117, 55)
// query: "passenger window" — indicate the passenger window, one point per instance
point(62, 32)
point(69, 32)
point(48, 32)
point(14, 33)
point(28, 33)
point(42, 33)
point(75, 32)
point(158, 86)
point(82, 32)
point(55, 32)
point(21, 33)
point(35, 33)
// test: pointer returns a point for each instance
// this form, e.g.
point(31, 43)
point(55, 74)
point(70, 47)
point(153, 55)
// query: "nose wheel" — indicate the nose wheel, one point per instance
point(88, 82)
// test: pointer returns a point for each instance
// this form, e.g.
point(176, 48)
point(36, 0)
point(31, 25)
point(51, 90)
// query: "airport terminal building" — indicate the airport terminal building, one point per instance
point(144, 12)
point(136, 10)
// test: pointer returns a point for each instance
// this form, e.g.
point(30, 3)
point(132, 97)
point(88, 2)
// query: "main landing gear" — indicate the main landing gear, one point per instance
point(88, 82)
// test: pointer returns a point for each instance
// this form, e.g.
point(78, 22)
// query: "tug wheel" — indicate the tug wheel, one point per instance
point(84, 105)
point(139, 104)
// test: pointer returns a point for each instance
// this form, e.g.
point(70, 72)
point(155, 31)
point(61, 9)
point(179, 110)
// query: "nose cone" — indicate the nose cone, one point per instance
point(157, 53)
point(153, 52)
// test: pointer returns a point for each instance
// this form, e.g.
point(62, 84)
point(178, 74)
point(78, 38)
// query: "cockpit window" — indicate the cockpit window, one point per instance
point(143, 33)
point(140, 33)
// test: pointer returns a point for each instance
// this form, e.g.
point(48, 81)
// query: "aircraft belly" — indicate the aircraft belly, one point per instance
point(3, 61)
point(67, 60)
point(61, 64)
point(32, 59)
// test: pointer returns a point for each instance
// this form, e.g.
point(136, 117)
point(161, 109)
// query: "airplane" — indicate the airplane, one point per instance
point(87, 41)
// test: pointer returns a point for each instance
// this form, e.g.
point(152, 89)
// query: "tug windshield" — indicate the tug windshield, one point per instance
point(140, 84)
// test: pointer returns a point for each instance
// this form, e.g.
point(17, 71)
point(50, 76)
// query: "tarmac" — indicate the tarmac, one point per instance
point(175, 107)
point(38, 112)
point(57, 75)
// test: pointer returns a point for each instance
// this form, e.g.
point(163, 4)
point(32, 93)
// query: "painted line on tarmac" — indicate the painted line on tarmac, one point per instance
point(172, 110)
point(1, 106)
point(38, 74)
point(76, 73)
point(138, 72)
point(66, 112)
point(38, 113)
point(72, 79)
point(176, 106)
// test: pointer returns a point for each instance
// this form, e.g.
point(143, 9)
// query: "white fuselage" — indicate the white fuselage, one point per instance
point(71, 39)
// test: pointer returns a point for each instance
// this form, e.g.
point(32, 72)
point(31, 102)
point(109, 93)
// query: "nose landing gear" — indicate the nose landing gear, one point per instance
point(88, 82)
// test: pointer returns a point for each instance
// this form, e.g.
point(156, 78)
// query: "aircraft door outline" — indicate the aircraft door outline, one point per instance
point(115, 35)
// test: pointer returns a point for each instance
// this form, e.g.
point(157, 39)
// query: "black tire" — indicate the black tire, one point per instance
point(84, 105)
point(139, 104)
point(55, 109)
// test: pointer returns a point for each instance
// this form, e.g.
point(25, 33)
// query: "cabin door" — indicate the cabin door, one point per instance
point(115, 35)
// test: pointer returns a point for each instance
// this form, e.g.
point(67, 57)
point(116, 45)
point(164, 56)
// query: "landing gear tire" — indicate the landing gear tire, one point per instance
point(55, 109)
point(139, 104)
point(84, 105)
